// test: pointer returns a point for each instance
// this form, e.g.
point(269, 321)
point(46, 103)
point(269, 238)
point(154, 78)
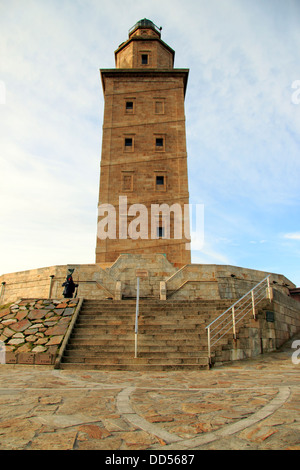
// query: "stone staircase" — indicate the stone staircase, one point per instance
point(172, 335)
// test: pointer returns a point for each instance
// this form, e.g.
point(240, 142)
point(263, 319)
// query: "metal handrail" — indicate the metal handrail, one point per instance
point(235, 313)
point(136, 317)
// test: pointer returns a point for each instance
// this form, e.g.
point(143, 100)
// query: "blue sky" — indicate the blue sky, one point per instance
point(242, 117)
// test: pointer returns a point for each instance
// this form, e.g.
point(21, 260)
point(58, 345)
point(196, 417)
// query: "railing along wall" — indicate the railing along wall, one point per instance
point(233, 315)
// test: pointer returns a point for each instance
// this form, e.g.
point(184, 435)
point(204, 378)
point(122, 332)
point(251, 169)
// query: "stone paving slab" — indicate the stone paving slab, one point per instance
point(253, 405)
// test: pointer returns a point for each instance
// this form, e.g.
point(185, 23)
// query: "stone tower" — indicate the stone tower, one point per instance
point(143, 198)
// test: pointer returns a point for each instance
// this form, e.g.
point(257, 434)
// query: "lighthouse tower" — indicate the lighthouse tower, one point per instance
point(143, 177)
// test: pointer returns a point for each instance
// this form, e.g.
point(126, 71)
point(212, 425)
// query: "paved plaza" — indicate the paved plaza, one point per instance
point(252, 405)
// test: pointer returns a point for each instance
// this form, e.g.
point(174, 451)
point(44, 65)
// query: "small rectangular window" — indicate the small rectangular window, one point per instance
point(159, 142)
point(144, 59)
point(159, 107)
point(127, 181)
point(128, 142)
point(160, 180)
point(129, 105)
point(160, 232)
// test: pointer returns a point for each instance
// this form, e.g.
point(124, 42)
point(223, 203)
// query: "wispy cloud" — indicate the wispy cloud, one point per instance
point(292, 236)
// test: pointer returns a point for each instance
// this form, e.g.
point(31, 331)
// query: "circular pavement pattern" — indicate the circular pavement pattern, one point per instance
point(253, 404)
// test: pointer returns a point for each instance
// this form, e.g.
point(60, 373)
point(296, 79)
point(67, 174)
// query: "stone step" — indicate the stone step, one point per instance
point(120, 332)
point(127, 333)
point(143, 319)
point(143, 348)
point(157, 302)
point(142, 322)
point(137, 361)
point(94, 352)
point(157, 318)
point(127, 309)
point(143, 338)
point(168, 346)
point(151, 314)
point(132, 367)
point(148, 316)
point(161, 310)
point(199, 326)
point(172, 335)
point(159, 306)
point(147, 302)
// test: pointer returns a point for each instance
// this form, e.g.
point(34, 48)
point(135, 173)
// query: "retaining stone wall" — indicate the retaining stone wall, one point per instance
point(33, 330)
point(193, 281)
point(277, 322)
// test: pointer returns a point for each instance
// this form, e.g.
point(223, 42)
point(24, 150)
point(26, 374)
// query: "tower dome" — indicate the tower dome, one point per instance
point(145, 24)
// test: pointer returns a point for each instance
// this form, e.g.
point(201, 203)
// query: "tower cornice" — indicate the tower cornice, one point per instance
point(117, 73)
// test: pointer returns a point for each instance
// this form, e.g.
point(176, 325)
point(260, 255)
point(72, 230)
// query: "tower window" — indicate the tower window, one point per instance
point(159, 107)
point(127, 181)
point(128, 142)
point(160, 232)
point(160, 180)
point(144, 59)
point(129, 105)
point(159, 142)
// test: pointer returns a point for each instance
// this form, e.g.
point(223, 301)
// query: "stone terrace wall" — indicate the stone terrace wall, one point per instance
point(94, 282)
point(193, 281)
point(277, 321)
point(32, 331)
point(210, 281)
point(286, 317)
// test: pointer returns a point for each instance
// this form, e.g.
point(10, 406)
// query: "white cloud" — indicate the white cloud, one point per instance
point(292, 236)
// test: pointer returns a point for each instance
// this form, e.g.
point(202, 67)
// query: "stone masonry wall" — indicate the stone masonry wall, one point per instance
point(93, 281)
point(157, 266)
point(211, 281)
point(286, 317)
point(277, 321)
point(32, 331)
point(131, 171)
point(193, 281)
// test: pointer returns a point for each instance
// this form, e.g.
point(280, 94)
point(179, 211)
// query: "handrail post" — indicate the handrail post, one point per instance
point(50, 286)
point(208, 344)
point(269, 289)
point(136, 315)
point(253, 304)
point(233, 323)
point(2, 291)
